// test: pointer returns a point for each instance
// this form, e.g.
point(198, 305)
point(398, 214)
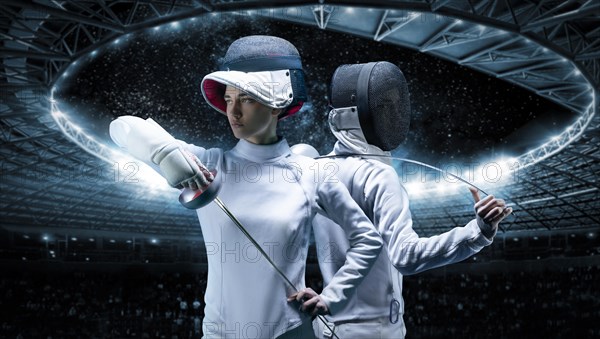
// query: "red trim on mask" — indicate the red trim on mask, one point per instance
point(214, 92)
point(292, 110)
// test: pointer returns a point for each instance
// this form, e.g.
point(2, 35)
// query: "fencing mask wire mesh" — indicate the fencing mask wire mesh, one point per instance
point(380, 93)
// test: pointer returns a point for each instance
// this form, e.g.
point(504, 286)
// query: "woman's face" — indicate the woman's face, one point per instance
point(249, 119)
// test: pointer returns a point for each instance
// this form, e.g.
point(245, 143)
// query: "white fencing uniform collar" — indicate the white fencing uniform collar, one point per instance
point(262, 153)
point(345, 125)
point(271, 88)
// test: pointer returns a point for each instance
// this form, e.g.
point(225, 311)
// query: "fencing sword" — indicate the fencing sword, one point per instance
point(403, 160)
point(194, 199)
point(468, 183)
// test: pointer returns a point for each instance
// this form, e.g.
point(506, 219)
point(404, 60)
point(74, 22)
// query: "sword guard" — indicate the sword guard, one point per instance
point(194, 199)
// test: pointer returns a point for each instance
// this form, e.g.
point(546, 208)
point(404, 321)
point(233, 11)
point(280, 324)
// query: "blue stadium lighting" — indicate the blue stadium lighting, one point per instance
point(46, 238)
point(73, 239)
point(414, 189)
point(153, 183)
point(443, 189)
point(92, 240)
point(154, 241)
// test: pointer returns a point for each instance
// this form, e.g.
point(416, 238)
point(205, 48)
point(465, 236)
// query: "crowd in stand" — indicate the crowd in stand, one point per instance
point(102, 305)
point(549, 304)
point(559, 303)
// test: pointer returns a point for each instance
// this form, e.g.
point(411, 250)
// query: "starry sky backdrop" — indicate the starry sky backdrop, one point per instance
point(458, 114)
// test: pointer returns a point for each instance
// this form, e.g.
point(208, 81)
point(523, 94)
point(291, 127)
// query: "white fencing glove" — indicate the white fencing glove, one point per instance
point(149, 142)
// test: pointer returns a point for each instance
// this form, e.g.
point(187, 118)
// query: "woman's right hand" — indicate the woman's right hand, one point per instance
point(312, 303)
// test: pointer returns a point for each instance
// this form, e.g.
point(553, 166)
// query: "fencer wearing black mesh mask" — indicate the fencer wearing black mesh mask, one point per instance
point(370, 115)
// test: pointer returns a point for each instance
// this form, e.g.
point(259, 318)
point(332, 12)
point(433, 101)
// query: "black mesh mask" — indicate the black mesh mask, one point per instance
point(380, 94)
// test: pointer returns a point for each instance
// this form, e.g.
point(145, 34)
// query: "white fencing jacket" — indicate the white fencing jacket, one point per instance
point(275, 194)
point(376, 188)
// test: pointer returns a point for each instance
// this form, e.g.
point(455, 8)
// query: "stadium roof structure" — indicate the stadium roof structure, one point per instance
point(54, 177)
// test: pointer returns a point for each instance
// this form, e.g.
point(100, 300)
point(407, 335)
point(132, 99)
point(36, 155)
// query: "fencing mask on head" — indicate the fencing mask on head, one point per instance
point(267, 68)
point(379, 94)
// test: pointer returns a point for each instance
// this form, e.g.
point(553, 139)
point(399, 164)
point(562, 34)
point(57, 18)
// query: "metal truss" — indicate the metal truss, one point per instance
point(551, 48)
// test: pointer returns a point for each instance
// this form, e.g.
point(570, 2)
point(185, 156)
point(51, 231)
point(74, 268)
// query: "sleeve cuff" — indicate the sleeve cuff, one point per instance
point(479, 240)
point(329, 301)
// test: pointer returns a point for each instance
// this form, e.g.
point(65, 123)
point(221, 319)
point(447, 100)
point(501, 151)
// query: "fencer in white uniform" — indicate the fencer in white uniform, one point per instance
point(370, 115)
point(275, 194)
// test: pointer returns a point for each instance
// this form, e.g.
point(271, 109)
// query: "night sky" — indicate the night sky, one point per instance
point(457, 113)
